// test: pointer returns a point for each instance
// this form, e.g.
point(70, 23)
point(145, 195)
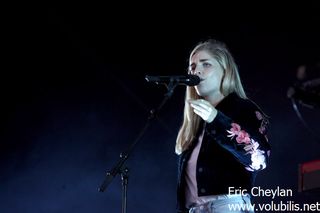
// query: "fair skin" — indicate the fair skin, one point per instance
point(211, 73)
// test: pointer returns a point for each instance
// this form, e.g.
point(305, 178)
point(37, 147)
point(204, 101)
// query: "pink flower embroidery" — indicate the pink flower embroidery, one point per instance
point(243, 137)
point(262, 129)
point(264, 122)
point(235, 129)
point(258, 160)
point(268, 153)
point(259, 116)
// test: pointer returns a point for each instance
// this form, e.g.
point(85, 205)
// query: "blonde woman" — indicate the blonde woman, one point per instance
point(222, 142)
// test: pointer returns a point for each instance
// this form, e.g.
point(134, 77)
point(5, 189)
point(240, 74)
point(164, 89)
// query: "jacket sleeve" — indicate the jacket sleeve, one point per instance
point(244, 137)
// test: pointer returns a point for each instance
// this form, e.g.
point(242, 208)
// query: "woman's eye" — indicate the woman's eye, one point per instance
point(206, 65)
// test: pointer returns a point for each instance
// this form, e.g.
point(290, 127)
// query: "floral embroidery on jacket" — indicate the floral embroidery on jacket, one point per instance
point(264, 123)
point(250, 146)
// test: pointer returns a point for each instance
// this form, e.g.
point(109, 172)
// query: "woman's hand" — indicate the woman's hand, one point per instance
point(204, 109)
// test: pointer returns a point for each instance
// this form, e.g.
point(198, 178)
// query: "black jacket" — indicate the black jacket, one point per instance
point(233, 149)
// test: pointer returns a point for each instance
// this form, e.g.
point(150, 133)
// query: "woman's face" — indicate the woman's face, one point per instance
point(210, 72)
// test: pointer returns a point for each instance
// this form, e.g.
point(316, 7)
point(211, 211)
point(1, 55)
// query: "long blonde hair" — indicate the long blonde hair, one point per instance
point(231, 82)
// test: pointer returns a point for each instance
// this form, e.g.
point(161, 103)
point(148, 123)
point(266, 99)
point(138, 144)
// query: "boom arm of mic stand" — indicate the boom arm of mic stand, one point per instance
point(118, 168)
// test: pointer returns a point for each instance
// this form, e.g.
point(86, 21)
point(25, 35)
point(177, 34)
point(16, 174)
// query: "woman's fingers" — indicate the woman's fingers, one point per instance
point(204, 109)
point(198, 112)
point(201, 103)
point(199, 107)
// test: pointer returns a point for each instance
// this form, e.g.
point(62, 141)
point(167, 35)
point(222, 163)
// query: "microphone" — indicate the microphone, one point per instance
point(189, 80)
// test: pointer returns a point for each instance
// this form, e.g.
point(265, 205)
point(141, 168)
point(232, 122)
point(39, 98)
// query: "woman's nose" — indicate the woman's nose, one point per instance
point(197, 71)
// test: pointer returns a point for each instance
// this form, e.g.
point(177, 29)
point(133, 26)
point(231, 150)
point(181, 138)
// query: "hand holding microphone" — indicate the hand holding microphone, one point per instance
point(204, 109)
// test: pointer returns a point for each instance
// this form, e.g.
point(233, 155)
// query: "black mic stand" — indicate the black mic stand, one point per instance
point(120, 167)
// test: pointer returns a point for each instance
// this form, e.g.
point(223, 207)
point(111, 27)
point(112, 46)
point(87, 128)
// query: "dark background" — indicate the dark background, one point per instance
point(73, 97)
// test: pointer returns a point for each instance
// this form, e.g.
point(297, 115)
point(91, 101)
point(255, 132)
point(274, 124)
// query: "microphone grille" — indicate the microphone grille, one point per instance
point(193, 80)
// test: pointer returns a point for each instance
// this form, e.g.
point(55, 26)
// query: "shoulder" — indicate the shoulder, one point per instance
point(252, 113)
point(257, 111)
point(234, 103)
point(244, 110)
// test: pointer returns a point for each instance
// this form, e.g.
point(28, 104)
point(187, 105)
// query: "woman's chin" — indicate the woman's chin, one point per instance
point(200, 91)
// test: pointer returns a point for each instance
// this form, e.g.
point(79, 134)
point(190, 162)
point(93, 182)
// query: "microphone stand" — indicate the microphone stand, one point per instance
point(119, 167)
